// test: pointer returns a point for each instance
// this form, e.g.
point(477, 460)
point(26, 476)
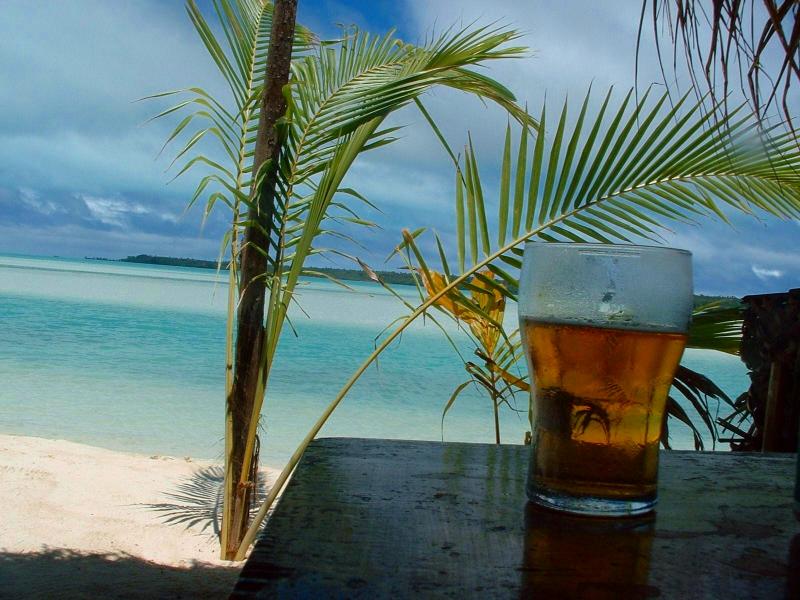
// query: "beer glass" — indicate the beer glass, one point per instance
point(603, 328)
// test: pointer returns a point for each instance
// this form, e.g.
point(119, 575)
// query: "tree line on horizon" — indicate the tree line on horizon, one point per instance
point(390, 277)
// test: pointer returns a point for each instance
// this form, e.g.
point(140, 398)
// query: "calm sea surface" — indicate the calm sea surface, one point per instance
point(131, 357)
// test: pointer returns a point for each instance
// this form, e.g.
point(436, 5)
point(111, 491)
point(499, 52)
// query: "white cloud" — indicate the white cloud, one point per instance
point(115, 211)
point(33, 199)
point(167, 216)
point(401, 191)
point(111, 211)
point(90, 135)
point(99, 165)
point(727, 262)
point(765, 274)
point(81, 49)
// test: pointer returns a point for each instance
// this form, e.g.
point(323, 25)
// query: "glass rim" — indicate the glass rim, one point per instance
point(600, 245)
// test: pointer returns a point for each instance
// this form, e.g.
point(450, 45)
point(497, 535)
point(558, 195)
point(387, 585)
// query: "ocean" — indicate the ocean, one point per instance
point(131, 357)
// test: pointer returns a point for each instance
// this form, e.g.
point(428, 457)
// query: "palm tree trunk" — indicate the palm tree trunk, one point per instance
point(495, 407)
point(250, 316)
point(496, 419)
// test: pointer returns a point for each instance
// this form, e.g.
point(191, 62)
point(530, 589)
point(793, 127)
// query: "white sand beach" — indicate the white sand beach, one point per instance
point(79, 521)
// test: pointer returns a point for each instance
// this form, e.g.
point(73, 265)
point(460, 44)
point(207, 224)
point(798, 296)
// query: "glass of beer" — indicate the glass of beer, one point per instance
point(603, 327)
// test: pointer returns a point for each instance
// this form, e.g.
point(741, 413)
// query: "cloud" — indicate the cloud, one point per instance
point(765, 274)
point(731, 261)
point(69, 121)
point(78, 66)
point(111, 211)
point(115, 211)
point(397, 191)
point(33, 199)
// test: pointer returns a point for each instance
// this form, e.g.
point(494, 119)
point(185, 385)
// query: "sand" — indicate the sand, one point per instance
point(82, 522)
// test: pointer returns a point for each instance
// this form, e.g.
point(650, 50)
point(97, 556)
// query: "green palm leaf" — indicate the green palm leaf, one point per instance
point(640, 177)
point(635, 198)
point(337, 103)
point(240, 57)
point(715, 327)
point(704, 164)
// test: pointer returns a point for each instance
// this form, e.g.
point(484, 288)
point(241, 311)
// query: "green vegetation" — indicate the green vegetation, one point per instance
point(281, 174)
point(172, 262)
point(638, 179)
point(721, 301)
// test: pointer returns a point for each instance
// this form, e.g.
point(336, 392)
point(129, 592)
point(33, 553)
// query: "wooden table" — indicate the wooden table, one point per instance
point(392, 519)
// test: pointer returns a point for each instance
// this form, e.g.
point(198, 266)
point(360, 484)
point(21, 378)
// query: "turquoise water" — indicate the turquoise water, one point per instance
point(131, 357)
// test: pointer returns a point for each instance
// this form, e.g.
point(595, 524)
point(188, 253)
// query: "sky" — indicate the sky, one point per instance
point(80, 172)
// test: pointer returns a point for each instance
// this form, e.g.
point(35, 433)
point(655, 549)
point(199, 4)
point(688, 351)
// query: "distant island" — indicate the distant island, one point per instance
point(724, 301)
point(390, 277)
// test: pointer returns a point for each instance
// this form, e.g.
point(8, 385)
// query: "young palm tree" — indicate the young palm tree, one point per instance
point(620, 176)
point(339, 95)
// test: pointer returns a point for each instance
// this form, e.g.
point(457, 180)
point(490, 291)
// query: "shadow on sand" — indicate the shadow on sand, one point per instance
point(58, 573)
point(196, 502)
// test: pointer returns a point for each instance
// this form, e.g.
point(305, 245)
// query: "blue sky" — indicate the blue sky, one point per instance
point(78, 168)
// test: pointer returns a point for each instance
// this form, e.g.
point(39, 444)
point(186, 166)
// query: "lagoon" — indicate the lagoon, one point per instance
point(131, 357)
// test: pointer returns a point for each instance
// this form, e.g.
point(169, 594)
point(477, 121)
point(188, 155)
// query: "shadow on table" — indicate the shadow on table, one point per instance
point(569, 556)
point(66, 574)
point(793, 583)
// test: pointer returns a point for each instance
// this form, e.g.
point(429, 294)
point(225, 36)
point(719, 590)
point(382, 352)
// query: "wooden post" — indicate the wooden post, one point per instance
point(771, 350)
point(771, 438)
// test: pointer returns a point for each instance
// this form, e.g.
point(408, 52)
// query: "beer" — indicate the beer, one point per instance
point(598, 401)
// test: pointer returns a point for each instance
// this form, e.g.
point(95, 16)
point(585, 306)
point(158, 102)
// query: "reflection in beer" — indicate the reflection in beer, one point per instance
point(599, 396)
point(568, 556)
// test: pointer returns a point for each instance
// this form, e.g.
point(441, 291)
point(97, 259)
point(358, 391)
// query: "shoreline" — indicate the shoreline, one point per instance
point(151, 517)
point(195, 459)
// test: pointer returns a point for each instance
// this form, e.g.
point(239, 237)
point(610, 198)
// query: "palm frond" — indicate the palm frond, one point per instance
point(196, 502)
point(716, 327)
point(633, 195)
point(697, 389)
point(335, 93)
point(623, 178)
point(727, 45)
point(240, 57)
point(699, 152)
point(337, 103)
